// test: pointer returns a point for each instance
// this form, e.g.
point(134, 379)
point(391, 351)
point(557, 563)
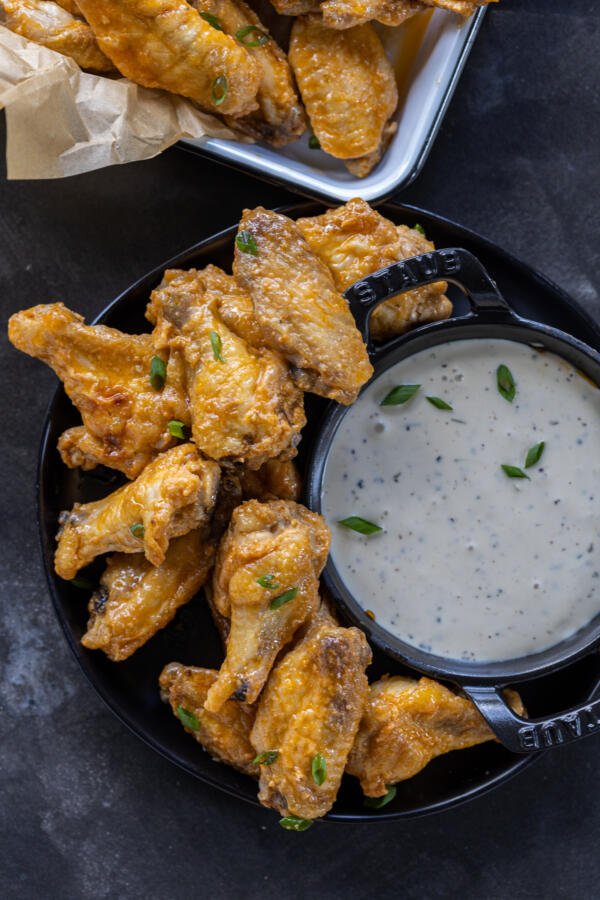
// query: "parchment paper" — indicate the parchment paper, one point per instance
point(62, 121)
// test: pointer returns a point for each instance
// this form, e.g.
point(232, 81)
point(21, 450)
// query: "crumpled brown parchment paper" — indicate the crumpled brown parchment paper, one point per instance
point(61, 121)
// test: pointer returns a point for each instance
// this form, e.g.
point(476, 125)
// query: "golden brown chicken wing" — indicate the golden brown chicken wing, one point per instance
point(106, 374)
point(296, 307)
point(407, 723)
point(137, 599)
point(53, 26)
point(266, 582)
point(296, 7)
point(309, 713)
point(174, 494)
point(277, 479)
point(226, 734)
point(355, 240)
point(347, 13)
point(165, 44)
point(280, 116)
point(347, 85)
point(245, 407)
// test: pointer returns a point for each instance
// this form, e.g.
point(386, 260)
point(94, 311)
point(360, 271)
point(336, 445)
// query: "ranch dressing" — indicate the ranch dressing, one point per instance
point(471, 564)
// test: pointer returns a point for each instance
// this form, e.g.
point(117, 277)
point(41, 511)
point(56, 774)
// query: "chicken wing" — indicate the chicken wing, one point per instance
point(226, 734)
point(341, 14)
point(407, 723)
point(354, 241)
point(137, 599)
point(277, 479)
point(280, 116)
point(245, 407)
point(165, 44)
point(297, 308)
point(53, 26)
point(309, 713)
point(266, 582)
point(347, 85)
point(106, 374)
point(174, 494)
point(296, 7)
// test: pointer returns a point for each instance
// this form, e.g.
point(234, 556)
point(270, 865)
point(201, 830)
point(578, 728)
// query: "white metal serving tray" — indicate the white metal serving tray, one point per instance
point(428, 64)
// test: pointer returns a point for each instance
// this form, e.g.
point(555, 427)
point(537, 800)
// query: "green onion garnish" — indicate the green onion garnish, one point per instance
point(363, 526)
point(212, 20)
point(137, 530)
point(266, 758)
point(318, 767)
point(215, 342)
point(261, 36)
point(418, 227)
point(534, 454)
point(378, 802)
point(177, 429)
point(293, 823)
point(246, 243)
point(84, 584)
point(400, 394)
point(188, 719)
point(158, 373)
point(506, 383)
point(288, 595)
point(438, 403)
point(314, 143)
point(219, 90)
point(268, 581)
point(514, 472)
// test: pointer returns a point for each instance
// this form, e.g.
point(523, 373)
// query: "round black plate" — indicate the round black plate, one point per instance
point(130, 688)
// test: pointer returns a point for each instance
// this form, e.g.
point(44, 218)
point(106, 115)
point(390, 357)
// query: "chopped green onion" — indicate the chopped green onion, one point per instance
point(178, 430)
point(514, 472)
point(293, 823)
point(158, 373)
point(438, 403)
point(363, 526)
point(261, 36)
point(246, 243)
point(318, 767)
point(266, 758)
point(84, 584)
point(215, 342)
point(288, 595)
point(506, 383)
point(188, 719)
point(314, 143)
point(534, 454)
point(219, 90)
point(137, 530)
point(418, 227)
point(400, 394)
point(212, 20)
point(268, 581)
point(378, 802)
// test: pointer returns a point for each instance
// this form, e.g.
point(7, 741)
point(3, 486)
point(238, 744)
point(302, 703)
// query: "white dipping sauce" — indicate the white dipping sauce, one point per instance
point(472, 564)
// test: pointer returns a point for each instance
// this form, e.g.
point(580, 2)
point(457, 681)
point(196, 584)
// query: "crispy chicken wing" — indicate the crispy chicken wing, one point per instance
point(347, 13)
point(296, 7)
point(297, 308)
point(266, 582)
point(311, 706)
point(53, 26)
point(347, 86)
point(355, 240)
point(245, 407)
point(226, 734)
point(407, 723)
point(137, 599)
point(106, 374)
point(166, 44)
point(174, 494)
point(280, 117)
point(277, 479)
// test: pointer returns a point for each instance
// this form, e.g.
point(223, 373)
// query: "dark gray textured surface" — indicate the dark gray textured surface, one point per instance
point(87, 810)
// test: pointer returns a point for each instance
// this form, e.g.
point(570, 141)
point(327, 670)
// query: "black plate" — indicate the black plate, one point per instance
point(130, 688)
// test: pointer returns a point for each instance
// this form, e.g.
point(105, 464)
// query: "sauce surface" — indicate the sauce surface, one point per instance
point(471, 564)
